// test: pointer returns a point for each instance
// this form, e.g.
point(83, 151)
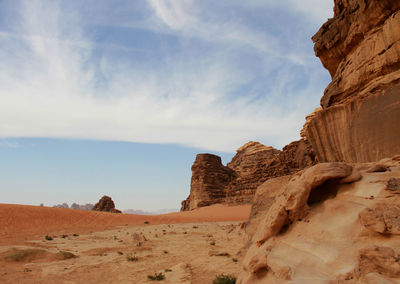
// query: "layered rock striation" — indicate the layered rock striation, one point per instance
point(252, 165)
point(360, 47)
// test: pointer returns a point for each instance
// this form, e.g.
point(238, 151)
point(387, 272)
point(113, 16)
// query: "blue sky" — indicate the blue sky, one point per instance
point(116, 97)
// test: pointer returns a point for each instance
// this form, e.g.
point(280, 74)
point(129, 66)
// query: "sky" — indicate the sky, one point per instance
point(117, 97)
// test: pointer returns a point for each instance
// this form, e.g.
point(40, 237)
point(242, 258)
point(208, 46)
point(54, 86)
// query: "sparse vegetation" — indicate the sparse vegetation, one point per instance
point(156, 277)
point(65, 255)
point(120, 252)
point(48, 238)
point(224, 279)
point(139, 244)
point(234, 260)
point(132, 258)
point(64, 236)
point(212, 243)
point(195, 227)
point(146, 222)
point(165, 252)
point(168, 270)
point(75, 235)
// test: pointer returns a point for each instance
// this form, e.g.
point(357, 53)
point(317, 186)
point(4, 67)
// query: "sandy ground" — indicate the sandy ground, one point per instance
point(187, 247)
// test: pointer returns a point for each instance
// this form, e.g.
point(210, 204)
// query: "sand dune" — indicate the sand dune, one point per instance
point(21, 222)
point(97, 247)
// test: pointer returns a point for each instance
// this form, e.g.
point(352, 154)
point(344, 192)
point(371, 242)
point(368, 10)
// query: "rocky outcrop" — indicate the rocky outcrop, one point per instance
point(330, 223)
point(237, 182)
point(106, 204)
point(209, 182)
point(250, 164)
point(360, 46)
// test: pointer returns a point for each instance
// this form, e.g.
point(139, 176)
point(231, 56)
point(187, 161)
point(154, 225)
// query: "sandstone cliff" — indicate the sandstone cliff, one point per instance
point(360, 46)
point(209, 181)
point(331, 223)
point(236, 183)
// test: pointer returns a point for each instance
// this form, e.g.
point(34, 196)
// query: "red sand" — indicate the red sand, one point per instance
point(19, 223)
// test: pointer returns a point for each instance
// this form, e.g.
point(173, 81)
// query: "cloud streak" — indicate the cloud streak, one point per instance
point(56, 81)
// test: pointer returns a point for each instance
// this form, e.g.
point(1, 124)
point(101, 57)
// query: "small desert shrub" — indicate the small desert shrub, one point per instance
point(120, 252)
point(156, 277)
point(165, 251)
point(224, 279)
point(146, 222)
point(168, 270)
point(132, 258)
point(195, 227)
point(64, 236)
point(212, 243)
point(234, 260)
point(65, 255)
point(48, 238)
point(139, 244)
point(184, 233)
point(75, 235)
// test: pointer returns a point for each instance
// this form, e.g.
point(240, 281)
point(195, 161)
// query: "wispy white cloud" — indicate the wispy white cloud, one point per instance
point(174, 13)
point(49, 84)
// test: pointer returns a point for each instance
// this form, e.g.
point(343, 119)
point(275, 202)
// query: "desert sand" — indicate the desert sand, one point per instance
point(97, 247)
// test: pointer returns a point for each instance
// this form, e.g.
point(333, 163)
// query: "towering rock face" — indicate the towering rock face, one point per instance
point(209, 181)
point(360, 47)
point(237, 182)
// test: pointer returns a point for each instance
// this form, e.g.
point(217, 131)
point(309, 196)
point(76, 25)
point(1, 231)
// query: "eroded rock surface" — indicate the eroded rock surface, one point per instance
point(237, 182)
point(209, 181)
point(330, 223)
point(106, 204)
point(360, 46)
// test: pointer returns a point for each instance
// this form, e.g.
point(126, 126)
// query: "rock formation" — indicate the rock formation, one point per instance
point(236, 183)
point(209, 181)
point(330, 223)
point(359, 120)
point(106, 204)
point(339, 221)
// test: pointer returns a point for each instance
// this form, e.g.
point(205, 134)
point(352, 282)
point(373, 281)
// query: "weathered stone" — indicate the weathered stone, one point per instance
point(292, 205)
point(360, 46)
point(106, 204)
point(380, 259)
point(363, 130)
point(393, 185)
point(313, 226)
point(209, 181)
point(382, 218)
point(252, 165)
